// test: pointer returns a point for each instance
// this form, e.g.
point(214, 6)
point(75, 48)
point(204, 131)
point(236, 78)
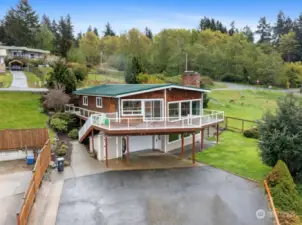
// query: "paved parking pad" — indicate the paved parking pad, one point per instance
point(198, 195)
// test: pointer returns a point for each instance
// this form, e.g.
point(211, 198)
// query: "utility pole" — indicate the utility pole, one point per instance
point(186, 62)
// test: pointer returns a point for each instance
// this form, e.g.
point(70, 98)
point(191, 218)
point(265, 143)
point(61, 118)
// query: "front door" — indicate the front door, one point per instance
point(157, 142)
point(153, 110)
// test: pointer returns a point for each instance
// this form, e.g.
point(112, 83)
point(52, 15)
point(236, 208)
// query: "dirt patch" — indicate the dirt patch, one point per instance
point(64, 139)
point(14, 166)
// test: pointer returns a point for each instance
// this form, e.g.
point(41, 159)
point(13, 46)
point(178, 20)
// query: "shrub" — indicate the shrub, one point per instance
point(55, 100)
point(59, 124)
point(280, 135)
point(251, 133)
point(66, 163)
point(288, 218)
point(80, 71)
point(206, 100)
point(206, 81)
point(283, 189)
point(62, 150)
point(73, 133)
point(71, 119)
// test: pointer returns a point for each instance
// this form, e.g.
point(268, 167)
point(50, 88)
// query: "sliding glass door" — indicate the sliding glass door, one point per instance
point(182, 109)
point(153, 110)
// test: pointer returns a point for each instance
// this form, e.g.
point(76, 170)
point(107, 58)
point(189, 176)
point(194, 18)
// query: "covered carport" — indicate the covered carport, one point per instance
point(16, 65)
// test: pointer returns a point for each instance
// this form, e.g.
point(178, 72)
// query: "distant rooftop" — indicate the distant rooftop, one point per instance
point(118, 90)
point(24, 49)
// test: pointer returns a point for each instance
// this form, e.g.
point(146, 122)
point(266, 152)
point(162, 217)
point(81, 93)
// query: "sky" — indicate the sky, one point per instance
point(159, 14)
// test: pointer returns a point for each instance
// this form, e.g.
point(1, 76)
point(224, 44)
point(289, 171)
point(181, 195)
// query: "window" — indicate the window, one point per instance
point(196, 108)
point(131, 107)
point(99, 102)
point(173, 111)
point(85, 100)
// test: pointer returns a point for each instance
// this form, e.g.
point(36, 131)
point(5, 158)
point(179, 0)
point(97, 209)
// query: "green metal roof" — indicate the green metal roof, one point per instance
point(114, 90)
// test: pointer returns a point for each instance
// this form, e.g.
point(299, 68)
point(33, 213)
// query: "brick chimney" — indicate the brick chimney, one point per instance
point(191, 78)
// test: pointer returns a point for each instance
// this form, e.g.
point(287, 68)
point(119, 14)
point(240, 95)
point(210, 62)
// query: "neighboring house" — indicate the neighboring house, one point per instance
point(135, 117)
point(2, 60)
point(24, 52)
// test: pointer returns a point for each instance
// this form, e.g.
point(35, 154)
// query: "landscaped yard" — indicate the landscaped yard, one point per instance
point(33, 81)
point(236, 153)
point(21, 110)
point(6, 78)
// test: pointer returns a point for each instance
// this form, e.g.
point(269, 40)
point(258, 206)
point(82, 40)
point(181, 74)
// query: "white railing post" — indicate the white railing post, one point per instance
point(183, 122)
point(109, 121)
point(128, 124)
point(165, 119)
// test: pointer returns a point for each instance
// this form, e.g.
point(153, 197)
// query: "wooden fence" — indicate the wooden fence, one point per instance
point(41, 165)
point(238, 124)
point(22, 139)
point(271, 202)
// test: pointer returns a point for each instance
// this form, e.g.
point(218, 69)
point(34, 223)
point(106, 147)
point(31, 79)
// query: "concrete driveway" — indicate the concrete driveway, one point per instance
point(186, 196)
point(12, 188)
point(19, 79)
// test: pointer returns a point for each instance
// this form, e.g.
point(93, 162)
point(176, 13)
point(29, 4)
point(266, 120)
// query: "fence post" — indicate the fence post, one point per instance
point(226, 123)
point(242, 126)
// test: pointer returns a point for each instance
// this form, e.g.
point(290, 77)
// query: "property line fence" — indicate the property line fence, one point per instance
point(39, 170)
point(238, 124)
point(271, 202)
point(23, 139)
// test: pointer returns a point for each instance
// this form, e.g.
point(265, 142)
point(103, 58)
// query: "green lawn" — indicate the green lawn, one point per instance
point(33, 81)
point(236, 154)
point(21, 110)
point(6, 78)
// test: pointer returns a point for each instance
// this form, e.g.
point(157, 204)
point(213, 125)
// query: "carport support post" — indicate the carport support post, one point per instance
point(182, 146)
point(193, 148)
point(92, 140)
point(127, 147)
point(217, 133)
point(202, 138)
point(81, 123)
point(106, 150)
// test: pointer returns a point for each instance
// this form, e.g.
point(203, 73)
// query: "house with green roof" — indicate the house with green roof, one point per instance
point(119, 119)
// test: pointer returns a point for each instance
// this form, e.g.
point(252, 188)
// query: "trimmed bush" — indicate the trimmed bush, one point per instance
point(62, 150)
point(59, 124)
point(283, 189)
point(251, 133)
point(71, 119)
point(73, 133)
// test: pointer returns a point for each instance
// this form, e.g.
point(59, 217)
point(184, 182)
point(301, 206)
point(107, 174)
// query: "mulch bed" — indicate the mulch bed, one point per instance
point(64, 139)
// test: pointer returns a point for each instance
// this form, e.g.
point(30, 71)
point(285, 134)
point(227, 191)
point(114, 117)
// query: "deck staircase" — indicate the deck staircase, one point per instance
point(86, 129)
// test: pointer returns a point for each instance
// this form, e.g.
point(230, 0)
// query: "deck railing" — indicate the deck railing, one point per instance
point(110, 121)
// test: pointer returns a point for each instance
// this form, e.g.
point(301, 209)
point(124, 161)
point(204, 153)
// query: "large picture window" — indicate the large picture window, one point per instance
point(131, 107)
point(196, 108)
point(181, 109)
point(173, 111)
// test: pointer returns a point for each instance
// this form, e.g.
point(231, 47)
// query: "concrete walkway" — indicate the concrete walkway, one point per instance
point(19, 79)
point(19, 83)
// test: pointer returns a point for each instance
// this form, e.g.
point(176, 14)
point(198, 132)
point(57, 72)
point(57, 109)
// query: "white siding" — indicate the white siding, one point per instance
point(138, 143)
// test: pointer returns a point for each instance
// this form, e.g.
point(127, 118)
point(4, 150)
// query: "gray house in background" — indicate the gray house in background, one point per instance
point(24, 52)
point(2, 60)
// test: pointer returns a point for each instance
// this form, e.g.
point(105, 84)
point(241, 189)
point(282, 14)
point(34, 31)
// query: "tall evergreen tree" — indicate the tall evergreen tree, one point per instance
point(148, 33)
point(108, 30)
point(77, 40)
point(283, 26)
point(264, 30)
point(89, 29)
point(95, 30)
point(233, 29)
point(297, 28)
point(248, 33)
point(212, 24)
point(133, 68)
point(20, 25)
point(46, 21)
point(65, 38)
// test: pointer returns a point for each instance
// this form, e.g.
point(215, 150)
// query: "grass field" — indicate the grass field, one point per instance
point(97, 79)
point(6, 78)
point(236, 153)
point(249, 104)
point(21, 110)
